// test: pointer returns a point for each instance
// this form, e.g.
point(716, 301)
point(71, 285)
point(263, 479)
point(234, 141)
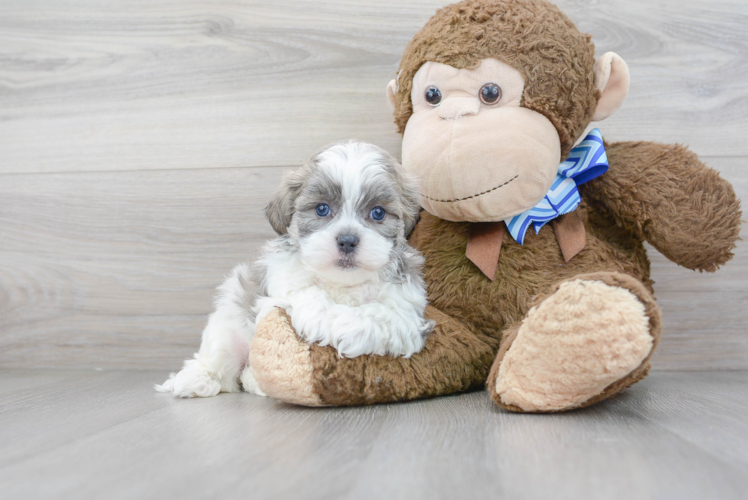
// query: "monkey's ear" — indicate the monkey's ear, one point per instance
point(612, 80)
point(280, 209)
point(391, 91)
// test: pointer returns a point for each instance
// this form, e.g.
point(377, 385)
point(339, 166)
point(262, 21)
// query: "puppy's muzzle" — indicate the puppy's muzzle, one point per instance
point(347, 243)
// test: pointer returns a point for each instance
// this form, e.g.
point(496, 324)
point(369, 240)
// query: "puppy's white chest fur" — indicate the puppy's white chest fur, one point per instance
point(351, 295)
point(373, 317)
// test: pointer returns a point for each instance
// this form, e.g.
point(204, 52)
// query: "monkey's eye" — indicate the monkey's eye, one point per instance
point(490, 93)
point(323, 210)
point(433, 96)
point(377, 213)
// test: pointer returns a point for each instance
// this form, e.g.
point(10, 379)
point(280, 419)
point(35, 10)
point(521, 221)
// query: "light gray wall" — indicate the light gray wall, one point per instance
point(139, 142)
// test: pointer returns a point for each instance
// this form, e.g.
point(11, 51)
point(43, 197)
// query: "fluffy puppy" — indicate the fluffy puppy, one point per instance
point(340, 267)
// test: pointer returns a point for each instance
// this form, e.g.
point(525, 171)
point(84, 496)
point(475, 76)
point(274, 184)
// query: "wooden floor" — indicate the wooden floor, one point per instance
point(88, 434)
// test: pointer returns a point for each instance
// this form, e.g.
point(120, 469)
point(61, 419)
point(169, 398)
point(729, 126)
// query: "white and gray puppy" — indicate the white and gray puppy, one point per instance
point(341, 268)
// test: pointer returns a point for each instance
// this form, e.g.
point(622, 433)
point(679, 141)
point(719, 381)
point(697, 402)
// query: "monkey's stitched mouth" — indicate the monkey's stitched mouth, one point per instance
point(472, 195)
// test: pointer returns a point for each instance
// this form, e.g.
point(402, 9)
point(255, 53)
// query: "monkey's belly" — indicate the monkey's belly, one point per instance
point(458, 288)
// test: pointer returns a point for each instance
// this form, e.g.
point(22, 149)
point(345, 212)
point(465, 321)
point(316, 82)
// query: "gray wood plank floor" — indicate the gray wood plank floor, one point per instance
point(107, 434)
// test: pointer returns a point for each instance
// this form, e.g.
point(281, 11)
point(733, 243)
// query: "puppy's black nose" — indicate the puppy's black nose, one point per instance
point(347, 242)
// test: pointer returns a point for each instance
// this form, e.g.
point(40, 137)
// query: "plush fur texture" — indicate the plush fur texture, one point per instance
point(453, 359)
point(569, 348)
point(532, 36)
point(652, 192)
point(614, 281)
point(665, 195)
point(492, 311)
point(457, 288)
point(282, 363)
point(340, 267)
point(441, 143)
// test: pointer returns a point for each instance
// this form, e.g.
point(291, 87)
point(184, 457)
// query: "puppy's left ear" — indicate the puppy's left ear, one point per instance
point(280, 209)
point(408, 186)
point(409, 194)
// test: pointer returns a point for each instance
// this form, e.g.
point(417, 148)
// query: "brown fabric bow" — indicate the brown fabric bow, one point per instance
point(484, 241)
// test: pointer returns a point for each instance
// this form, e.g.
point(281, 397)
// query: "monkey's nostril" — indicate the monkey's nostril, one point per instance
point(347, 242)
point(457, 107)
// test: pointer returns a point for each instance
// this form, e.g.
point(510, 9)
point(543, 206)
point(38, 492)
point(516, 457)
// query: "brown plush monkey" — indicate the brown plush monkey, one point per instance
point(491, 97)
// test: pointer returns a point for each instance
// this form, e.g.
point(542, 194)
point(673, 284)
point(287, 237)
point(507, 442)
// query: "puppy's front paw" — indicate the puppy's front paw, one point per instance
point(265, 305)
point(190, 382)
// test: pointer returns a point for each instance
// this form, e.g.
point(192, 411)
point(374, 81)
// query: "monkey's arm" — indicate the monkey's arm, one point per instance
point(665, 195)
point(454, 359)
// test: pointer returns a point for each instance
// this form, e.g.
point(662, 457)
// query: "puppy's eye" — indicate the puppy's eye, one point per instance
point(433, 96)
point(323, 210)
point(377, 213)
point(490, 93)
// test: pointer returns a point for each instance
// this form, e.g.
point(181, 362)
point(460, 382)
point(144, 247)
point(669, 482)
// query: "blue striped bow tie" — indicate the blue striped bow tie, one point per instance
point(585, 162)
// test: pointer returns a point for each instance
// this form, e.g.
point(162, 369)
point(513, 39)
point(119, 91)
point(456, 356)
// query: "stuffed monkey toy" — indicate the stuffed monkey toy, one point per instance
point(532, 227)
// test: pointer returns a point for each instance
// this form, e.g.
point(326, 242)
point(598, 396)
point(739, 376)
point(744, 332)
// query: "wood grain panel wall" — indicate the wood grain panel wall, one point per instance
point(139, 142)
point(158, 84)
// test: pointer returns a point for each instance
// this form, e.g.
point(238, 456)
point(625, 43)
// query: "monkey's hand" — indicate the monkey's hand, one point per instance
point(291, 370)
point(664, 194)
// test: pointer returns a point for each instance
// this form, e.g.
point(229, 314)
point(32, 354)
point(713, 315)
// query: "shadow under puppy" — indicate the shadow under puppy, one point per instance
point(341, 267)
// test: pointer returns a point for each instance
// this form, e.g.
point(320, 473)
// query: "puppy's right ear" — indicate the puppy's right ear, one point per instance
point(280, 209)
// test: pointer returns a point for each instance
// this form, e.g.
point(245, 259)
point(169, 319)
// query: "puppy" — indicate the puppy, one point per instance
point(340, 267)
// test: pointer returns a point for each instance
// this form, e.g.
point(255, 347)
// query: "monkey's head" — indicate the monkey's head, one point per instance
point(490, 97)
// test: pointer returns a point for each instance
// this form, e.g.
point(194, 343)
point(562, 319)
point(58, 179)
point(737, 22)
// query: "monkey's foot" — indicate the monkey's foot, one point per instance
point(587, 340)
point(453, 359)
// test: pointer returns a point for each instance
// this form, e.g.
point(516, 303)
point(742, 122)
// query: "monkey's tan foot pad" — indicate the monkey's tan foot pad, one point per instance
point(585, 341)
point(453, 359)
